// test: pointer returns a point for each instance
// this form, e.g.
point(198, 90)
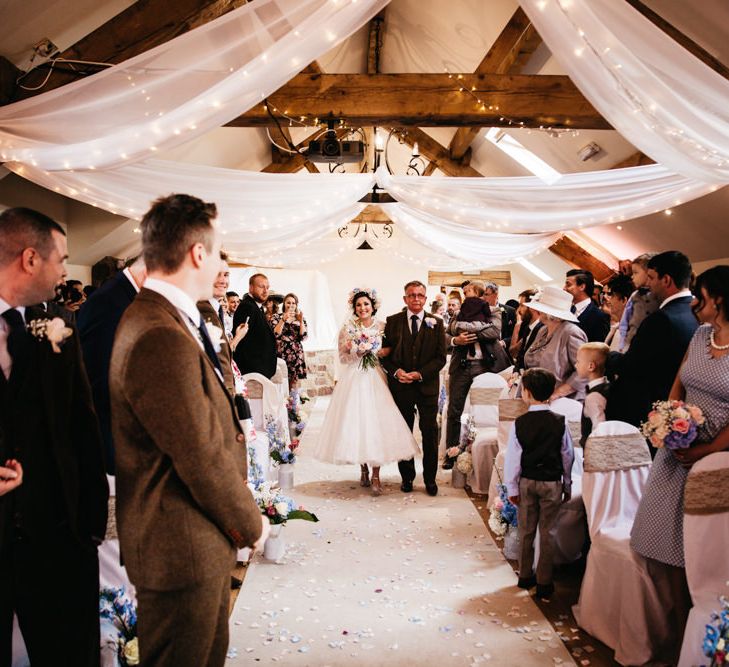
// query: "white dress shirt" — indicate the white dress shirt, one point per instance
point(420, 316)
point(580, 307)
point(678, 295)
point(128, 274)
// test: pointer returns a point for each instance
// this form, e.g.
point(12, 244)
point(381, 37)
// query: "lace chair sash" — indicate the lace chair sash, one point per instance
point(706, 492)
point(606, 453)
point(484, 395)
point(111, 533)
point(575, 429)
point(254, 388)
point(511, 408)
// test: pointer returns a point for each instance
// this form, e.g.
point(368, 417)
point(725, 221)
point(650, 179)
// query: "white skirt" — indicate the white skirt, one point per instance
point(362, 423)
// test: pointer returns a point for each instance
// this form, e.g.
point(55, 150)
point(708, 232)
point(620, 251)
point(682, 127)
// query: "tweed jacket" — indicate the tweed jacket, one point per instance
point(558, 353)
point(225, 355)
point(426, 354)
point(183, 506)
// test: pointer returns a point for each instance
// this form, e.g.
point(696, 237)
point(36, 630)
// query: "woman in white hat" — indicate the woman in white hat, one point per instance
point(557, 342)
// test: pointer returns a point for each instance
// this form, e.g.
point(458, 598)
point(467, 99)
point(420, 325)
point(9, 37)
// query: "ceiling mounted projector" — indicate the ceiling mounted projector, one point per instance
point(330, 149)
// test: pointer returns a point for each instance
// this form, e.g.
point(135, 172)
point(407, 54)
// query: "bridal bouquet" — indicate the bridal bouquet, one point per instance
point(120, 613)
point(366, 345)
point(672, 424)
point(503, 513)
point(716, 640)
point(277, 507)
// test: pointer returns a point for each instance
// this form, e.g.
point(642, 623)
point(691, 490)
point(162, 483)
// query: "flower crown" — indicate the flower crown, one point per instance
point(371, 293)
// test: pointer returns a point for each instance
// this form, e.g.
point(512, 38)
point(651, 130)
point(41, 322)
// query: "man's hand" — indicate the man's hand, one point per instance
point(265, 530)
point(11, 476)
point(414, 376)
point(566, 495)
point(464, 338)
point(514, 500)
point(402, 377)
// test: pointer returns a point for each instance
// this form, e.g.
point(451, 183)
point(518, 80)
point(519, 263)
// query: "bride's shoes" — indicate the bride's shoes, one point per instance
point(364, 480)
point(376, 486)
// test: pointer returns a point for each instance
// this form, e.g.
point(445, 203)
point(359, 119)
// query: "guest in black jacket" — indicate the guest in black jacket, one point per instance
point(256, 353)
point(645, 373)
point(508, 314)
point(593, 321)
point(97, 322)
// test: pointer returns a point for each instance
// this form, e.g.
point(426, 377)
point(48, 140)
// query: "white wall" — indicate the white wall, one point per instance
point(79, 272)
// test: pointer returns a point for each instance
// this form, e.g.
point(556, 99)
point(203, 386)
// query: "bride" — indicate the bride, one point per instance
point(363, 424)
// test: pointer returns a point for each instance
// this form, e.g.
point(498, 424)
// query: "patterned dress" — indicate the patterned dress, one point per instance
point(658, 527)
point(290, 348)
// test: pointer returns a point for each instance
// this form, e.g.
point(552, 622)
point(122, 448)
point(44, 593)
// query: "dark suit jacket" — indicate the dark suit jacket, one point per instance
point(595, 323)
point(224, 356)
point(97, 322)
point(508, 322)
point(426, 354)
point(68, 433)
point(183, 505)
point(645, 373)
point(256, 353)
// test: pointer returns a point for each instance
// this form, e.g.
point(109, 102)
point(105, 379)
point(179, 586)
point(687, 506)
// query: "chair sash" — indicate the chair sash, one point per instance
point(511, 408)
point(485, 395)
point(606, 453)
point(706, 492)
point(575, 429)
point(255, 389)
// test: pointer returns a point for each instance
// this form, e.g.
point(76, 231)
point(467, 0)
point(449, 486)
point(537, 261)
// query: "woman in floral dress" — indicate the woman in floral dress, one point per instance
point(289, 327)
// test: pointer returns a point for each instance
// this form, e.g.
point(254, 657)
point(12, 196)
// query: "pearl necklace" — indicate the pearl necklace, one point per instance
point(714, 345)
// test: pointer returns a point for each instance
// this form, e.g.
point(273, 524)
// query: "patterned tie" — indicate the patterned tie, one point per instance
point(208, 345)
point(220, 314)
point(414, 319)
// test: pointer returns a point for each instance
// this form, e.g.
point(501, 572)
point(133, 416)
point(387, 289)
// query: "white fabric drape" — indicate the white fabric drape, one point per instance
point(655, 93)
point(179, 90)
point(528, 205)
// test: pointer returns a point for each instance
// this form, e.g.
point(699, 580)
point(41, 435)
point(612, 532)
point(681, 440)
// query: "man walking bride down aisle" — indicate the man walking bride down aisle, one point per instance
point(368, 425)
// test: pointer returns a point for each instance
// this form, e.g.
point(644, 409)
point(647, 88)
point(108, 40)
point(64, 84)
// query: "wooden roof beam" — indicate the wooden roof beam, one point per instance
point(576, 256)
point(438, 155)
point(423, 100)
point(507, 55)
point(376, 39)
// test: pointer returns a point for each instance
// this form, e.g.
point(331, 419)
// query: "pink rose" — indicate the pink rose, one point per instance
point(696, 414)
point(680, 425)
point(656, 441)
point(654, 418)
point(498, 505)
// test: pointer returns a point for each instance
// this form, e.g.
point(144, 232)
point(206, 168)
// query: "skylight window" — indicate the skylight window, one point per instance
point(523, 156)
point(535, 270)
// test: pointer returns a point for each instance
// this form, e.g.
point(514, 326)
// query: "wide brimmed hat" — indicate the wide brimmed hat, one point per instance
point(553, 301)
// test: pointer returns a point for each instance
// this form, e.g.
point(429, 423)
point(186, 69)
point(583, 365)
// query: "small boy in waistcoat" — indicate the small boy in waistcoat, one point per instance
point(590, 365)
point(537, 474)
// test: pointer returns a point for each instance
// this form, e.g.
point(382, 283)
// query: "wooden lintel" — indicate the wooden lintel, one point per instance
point(686, 42)
point(372, 215)
point(424, 100)
point(507, 55)
point(436, 153)
point(456, 278)
point(637, 159)
point(577, 257)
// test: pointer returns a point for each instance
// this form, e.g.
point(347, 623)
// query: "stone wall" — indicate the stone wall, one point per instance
point(320, 373)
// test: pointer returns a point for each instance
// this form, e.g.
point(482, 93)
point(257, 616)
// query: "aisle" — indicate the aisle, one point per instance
point(392, 580)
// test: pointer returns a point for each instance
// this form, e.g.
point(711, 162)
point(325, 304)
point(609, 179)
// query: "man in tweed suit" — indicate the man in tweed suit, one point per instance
point(183, 507)
point(417, 341)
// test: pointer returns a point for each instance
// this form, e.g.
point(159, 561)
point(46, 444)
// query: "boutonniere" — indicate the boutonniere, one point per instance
point(216, 335)
point(430, 322)
point(54, 331)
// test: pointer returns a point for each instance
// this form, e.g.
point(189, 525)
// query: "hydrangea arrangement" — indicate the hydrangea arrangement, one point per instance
point(279, 451)
point(277, 507)
point(464, 463)
point(672, 424)
point(503, 513)
point(297, 416)
point(716, 640)
point(468, 436)
point(120, 611)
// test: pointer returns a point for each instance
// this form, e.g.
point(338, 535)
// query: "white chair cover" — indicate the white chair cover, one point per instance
point(706, 545)
point(266, 399)
point(281, 377)
point(483, 406)
point(509, 410)
point(625, 614)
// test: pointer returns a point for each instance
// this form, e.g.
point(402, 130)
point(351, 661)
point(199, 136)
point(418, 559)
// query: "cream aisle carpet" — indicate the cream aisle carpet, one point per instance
point(394, 580)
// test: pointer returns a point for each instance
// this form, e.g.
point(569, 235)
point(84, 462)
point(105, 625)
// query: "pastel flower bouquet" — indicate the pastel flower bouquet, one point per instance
point(297, 416)
point(118, 612)
point(279, 451)
point(277, 507)
point(672, 424)
point(716, 640)
point(503, 513)
point(366, 345)
point(462, 452)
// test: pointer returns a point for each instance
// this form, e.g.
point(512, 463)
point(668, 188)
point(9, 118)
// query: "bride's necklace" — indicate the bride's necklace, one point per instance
point(714, 345)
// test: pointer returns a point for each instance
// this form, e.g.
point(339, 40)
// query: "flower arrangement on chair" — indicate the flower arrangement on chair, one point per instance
point(120, 611)
point(297, 416)
point(279, 451)
point(672, 424)
point(716, 640)
point(462, 452)
point(277, 507)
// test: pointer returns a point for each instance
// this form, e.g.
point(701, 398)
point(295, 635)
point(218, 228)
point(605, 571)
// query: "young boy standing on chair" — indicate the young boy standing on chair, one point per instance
point(537, 474)
point(590, 365)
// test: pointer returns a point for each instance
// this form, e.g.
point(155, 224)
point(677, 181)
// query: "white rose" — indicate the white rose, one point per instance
point(131, 652)
point(282, 509)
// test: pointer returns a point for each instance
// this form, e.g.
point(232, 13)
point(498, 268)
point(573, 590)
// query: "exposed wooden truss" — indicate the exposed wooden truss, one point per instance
point(457, 278)
point(577, 257)
point(424, 100)
point(376, 41)
point(438, 155)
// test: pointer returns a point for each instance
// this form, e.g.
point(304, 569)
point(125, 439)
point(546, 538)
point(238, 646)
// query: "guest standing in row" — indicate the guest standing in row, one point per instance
point(291, 330)
point(591, 319)
point(256, 353)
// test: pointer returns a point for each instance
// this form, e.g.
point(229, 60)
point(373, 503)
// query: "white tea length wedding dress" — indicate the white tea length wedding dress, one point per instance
point(362, 423)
